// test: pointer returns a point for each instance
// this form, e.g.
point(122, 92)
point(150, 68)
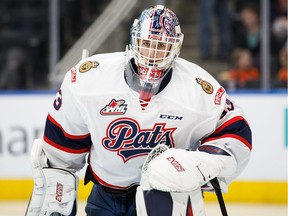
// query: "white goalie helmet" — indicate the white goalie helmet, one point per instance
point(156, 40)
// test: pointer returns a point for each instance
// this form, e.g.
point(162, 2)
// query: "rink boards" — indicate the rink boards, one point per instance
point(265, 179)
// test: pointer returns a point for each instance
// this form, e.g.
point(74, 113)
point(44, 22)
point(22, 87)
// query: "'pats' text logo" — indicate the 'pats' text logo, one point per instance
point(114, 108)
point(125, 137)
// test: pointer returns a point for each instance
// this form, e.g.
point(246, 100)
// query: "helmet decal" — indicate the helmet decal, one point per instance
point(164, 22)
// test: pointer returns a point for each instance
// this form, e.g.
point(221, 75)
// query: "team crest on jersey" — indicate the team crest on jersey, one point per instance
point(206, 86)
point(115, 107)
point(129, 140)
point(86, 66)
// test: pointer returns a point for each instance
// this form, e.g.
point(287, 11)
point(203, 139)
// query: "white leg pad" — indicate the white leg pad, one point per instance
point(54, 193)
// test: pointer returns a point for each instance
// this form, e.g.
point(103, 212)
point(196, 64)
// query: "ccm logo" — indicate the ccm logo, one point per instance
point(171, 117)
point(59, 192)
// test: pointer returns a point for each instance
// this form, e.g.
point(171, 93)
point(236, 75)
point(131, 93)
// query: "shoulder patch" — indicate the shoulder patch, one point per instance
point(218, 96)
point(86, 66)
point(73, 74)
point(206, 86)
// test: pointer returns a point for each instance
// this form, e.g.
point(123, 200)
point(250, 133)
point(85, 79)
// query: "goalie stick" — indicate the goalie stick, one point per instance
point(216, 186)
point(85, 53)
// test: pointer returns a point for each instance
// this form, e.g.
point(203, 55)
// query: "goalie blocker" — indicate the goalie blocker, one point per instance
point(55, 190)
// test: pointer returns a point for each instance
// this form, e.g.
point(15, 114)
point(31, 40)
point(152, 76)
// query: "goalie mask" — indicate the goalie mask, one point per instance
point(156, 41)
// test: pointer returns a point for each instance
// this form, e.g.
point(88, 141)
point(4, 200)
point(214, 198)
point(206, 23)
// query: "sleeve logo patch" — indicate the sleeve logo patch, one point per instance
point(219, 95)
point(206, 86)
point(73, 74)
point(86, 66)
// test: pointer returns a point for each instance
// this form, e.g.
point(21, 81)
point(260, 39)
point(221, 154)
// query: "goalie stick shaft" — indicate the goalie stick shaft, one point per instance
point(216, 186)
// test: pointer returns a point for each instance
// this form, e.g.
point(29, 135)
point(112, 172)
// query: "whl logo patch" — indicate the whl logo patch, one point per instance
point(115, 107)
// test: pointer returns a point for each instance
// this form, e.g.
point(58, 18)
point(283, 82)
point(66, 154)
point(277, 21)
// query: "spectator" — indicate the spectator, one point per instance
point(247, 35)
point(239, 4)
point(13, 74)
point(221, 9)
point(281, 79)
point(243, 73)
point(278, 9)
point(278, 25)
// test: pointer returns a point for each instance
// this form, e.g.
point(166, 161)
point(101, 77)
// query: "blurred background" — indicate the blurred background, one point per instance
point(242, 43)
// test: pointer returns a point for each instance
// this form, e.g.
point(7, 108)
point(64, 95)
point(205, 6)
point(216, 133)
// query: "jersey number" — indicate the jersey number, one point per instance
point(229, 107)
point(58, 100)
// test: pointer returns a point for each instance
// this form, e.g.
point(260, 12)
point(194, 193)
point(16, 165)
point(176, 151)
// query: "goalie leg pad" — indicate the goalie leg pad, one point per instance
point(38, 161)
point(58, 193)
point(154, 203)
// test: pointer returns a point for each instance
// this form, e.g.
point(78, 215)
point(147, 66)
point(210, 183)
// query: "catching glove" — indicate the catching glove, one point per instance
point(179, 170)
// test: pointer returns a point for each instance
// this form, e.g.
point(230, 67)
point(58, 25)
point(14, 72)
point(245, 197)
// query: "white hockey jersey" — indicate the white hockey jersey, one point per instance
point(96, 113)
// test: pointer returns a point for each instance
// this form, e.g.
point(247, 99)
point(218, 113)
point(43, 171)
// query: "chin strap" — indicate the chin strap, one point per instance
point(216, 186)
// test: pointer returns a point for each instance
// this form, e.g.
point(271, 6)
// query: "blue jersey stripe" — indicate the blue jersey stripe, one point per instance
point(238, 128)
point(58, 138)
